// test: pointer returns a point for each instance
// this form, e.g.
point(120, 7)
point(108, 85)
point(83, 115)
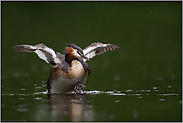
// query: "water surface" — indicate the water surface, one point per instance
point(140, 82)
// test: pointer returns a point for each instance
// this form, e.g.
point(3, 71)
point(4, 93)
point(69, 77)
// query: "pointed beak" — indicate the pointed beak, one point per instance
point(84, 57)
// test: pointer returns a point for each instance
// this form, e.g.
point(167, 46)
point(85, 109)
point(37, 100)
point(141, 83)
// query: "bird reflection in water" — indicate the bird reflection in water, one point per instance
point(72, 106)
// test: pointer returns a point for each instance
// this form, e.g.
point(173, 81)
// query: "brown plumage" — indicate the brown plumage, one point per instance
point(69, 71)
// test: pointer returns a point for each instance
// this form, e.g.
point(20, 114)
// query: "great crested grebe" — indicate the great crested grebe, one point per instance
point(69, 71)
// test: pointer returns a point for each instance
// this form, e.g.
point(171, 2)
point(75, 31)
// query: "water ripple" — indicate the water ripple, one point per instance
point(128, 92)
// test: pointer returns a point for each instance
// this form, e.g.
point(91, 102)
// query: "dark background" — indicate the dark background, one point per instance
point(149, 34)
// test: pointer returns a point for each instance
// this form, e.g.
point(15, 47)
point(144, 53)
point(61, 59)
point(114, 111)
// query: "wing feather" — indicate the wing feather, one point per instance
point(43, 52)
point(97, 49)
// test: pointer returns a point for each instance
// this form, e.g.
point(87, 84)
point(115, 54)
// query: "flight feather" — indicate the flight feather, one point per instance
point(97, 49)
point(44, 52)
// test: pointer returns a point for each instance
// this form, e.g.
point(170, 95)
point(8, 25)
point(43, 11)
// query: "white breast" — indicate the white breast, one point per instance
point(63, 84)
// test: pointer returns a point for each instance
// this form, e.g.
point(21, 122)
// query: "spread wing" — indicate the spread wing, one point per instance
point(44, 52)
point(97, 49)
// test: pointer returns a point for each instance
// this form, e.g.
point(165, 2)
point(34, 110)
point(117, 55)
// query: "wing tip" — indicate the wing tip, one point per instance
point(12, 48)
point(117, 47)
point(16, 48)
point(22, 48)
point(109, 47)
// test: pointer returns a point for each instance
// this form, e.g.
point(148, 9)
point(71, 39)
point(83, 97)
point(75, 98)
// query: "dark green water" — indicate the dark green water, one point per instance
point(140, 82)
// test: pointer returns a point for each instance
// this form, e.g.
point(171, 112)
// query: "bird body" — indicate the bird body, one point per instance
point(69, 69)
point(60, 81)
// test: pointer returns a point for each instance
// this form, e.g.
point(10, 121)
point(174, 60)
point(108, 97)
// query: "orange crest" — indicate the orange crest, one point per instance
point(68, 50)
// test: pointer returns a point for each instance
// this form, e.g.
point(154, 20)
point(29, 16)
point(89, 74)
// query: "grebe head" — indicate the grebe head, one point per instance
point(72, 51)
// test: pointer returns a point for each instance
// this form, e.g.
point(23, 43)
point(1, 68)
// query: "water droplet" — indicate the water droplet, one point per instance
point(129, 90)
point(36, 93)
point(154, 88)
point(38, 98)
point(117, 101)
point(118, 94)
point(161, 99)
point(147, 90)
point(109, 92)
point(169, 86)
